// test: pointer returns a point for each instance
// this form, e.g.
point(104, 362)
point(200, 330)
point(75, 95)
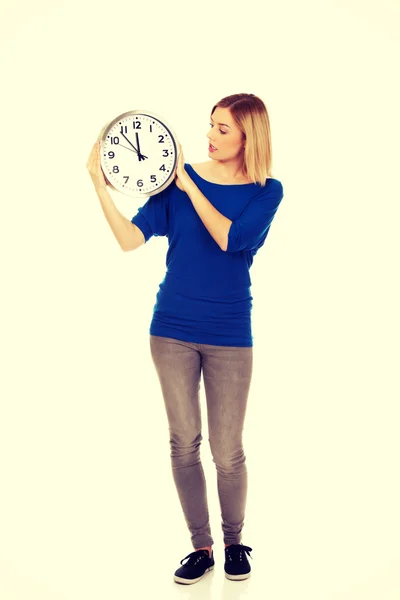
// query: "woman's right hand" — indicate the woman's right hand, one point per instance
point(94, 167)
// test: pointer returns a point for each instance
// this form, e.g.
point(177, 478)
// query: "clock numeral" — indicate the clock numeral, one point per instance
point(111, 154)
point(115, 140)
point(166, 151)
point(137, 125)
point(153, 180)
point(115, 169)
point(139, 183)
point(126, 177)
point(124, 128)
point(161, 139)
point(162, 168)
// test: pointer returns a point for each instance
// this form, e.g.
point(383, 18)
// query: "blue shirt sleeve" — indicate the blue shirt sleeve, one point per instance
point(251, 228)
point(153, 217)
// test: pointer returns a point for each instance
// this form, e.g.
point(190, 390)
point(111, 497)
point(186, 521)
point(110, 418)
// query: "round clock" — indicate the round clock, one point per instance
point(139, 153)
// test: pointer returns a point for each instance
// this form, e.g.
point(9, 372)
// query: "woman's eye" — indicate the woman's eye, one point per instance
point(223, 132)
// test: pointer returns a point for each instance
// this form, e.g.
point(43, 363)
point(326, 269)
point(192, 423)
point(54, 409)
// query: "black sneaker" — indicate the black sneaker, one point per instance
point(237, 566)
point(199, 563)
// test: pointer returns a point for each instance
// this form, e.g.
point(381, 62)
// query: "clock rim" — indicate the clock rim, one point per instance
point(147, 113)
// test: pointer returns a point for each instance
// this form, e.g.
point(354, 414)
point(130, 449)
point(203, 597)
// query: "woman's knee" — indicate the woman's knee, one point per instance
point(229, 458)
point(185, 448)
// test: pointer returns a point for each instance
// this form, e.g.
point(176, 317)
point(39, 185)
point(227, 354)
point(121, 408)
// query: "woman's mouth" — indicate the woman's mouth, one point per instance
point(211, 148)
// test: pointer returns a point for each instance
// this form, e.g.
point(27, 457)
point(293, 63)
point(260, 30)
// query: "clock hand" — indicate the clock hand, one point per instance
point(126, 147)
point(138, 145)
point(129, 141)
point(140, 155)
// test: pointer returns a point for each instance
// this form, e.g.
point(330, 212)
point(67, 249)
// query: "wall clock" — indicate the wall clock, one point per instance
point(139, 153)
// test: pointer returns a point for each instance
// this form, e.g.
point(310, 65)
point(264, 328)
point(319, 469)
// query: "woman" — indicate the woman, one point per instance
point(217, 215)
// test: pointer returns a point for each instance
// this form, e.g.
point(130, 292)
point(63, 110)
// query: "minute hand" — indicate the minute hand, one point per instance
point(129, 142)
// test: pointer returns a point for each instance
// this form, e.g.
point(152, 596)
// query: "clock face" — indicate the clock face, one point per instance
point(138, 154)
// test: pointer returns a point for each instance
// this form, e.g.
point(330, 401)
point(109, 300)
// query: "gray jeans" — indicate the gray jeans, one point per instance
point(227, 374)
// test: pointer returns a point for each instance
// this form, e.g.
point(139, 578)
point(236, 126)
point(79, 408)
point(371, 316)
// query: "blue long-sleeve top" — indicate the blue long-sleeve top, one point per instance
point(205, 294)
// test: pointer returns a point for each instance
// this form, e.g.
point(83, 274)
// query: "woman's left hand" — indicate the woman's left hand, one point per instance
point(181, 175)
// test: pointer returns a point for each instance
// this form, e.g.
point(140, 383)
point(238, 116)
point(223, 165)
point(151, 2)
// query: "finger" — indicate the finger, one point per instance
point(92, 158)
point(92, 153)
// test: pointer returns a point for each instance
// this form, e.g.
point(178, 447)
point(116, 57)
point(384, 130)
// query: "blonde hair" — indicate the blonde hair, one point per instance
point(251, 116)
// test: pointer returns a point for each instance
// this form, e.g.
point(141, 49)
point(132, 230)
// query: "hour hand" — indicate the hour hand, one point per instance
point(140, 155)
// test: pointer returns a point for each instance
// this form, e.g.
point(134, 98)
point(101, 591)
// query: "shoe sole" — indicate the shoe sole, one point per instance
point(237, 577)
point(189, 581)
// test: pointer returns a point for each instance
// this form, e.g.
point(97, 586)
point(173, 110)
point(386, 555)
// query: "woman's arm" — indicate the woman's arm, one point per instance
point(127, 234)
point(215, 222)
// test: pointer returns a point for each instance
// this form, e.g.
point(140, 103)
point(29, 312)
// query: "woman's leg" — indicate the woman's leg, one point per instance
point(178, 365)
point(227, 372)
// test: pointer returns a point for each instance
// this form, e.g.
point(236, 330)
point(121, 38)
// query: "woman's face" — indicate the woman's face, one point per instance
point(225, 135)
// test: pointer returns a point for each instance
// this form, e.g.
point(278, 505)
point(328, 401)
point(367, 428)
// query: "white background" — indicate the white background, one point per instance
point(88, 507)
